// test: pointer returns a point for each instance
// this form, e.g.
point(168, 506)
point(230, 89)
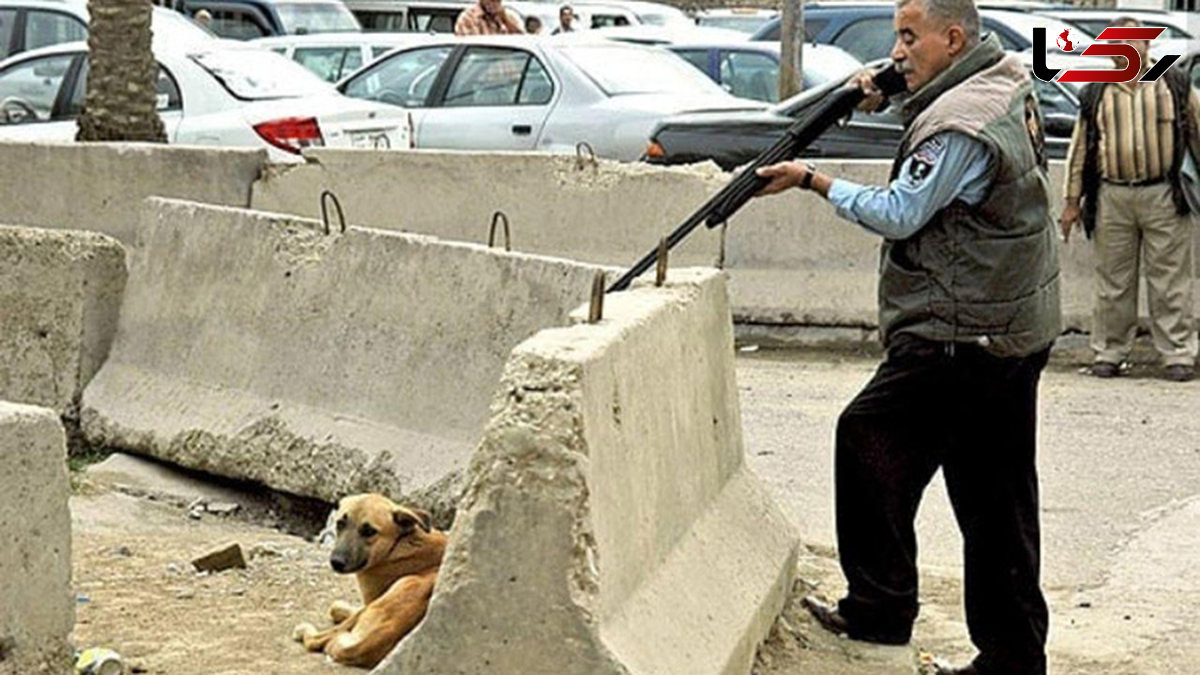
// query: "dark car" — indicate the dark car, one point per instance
point(865, 29)
point(249, 19)
point(734, 138)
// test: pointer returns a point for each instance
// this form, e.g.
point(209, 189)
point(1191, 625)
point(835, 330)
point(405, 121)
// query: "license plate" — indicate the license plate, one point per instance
point(377, 139)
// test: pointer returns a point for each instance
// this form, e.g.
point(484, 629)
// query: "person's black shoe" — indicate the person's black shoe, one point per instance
point(1105, 369)
point(1179, 373)
point(831, 620)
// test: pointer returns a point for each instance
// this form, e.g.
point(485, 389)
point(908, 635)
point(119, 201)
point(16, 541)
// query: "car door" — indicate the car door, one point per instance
point(169, 102)
point(494, 98)
point(30, 98)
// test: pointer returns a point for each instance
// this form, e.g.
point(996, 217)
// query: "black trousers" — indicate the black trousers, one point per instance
point(957, 407)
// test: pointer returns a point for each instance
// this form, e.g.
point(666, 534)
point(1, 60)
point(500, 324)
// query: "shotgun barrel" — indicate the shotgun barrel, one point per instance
point(718, 209)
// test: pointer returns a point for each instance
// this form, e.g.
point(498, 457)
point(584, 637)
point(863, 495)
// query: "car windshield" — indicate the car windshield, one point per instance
point(256, 74)
point(620, 70)
point(299, 18)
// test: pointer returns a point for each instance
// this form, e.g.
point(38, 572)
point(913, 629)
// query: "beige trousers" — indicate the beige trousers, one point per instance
point(1138, 226)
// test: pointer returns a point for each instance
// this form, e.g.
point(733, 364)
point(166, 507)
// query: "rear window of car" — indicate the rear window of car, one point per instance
point(619, 70)
point(256, 74)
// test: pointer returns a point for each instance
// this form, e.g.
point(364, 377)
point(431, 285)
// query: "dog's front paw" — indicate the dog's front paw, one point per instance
point(340, 610)
point(303, 630)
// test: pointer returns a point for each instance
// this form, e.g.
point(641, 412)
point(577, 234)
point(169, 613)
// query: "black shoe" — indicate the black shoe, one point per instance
point(1179, 373)
point(832, 621)
point(1105, 369)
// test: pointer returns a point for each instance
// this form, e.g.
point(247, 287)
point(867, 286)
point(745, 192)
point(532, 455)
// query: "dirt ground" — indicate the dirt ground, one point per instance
point(137, 592)
point(1120, 515)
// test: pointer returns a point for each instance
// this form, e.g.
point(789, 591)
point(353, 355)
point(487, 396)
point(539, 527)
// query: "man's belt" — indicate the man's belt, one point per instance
point(1136, 183)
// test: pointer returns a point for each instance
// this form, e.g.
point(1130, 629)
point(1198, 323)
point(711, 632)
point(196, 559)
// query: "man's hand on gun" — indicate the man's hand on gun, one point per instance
point(783, 176)
point(786, 175)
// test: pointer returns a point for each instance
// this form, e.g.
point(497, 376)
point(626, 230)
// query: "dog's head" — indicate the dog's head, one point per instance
point(372, 529)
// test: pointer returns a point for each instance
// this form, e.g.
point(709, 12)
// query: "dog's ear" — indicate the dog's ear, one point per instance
point(409, 519)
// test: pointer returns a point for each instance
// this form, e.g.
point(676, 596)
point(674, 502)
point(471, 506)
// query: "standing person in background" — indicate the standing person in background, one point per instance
point(566, 20)
point(1123, 184)
point(533, 25)
point(486, 17)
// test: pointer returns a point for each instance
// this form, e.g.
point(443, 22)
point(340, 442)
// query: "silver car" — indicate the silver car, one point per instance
point(530, 93)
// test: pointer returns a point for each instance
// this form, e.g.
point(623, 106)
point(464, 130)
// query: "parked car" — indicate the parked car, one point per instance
point(333, 56)
point(216, 93)
point(742, 19)
point(733, 138)
point(751, 69)
point(534, 93)
point(865, 29)
point(248, 19)
point(30, 24)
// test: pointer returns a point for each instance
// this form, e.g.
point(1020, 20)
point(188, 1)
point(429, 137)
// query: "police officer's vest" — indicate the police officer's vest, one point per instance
point(984, 274)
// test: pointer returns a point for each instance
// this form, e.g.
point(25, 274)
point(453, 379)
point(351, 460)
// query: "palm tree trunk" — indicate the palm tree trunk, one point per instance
point(122, 77)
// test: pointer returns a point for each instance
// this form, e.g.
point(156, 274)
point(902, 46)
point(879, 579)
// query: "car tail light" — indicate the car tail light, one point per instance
point(655, 150)
point(291, 133)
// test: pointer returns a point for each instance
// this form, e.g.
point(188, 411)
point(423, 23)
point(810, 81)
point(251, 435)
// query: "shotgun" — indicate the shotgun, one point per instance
point(718, 209)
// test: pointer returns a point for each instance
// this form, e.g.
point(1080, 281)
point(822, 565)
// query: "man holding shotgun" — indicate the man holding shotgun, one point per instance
point(969, 306)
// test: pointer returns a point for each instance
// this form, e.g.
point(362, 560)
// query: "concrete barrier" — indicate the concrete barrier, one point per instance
point(611, 524)
point(60, 292)
point(37, 608)
point(607, 213)
point(254, 346)
point(791, 260)
point(100, 187)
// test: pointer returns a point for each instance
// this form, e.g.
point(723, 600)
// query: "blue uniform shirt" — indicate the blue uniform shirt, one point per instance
point(947, 166)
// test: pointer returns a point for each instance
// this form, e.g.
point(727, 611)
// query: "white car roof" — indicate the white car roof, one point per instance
point(669, 34)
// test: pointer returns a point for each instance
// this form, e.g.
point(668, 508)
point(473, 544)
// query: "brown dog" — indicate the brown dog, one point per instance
point(395, 555)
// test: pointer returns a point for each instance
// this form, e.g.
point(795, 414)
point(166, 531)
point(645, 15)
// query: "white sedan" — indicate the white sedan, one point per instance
point(530, 93)
point(211, 92)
